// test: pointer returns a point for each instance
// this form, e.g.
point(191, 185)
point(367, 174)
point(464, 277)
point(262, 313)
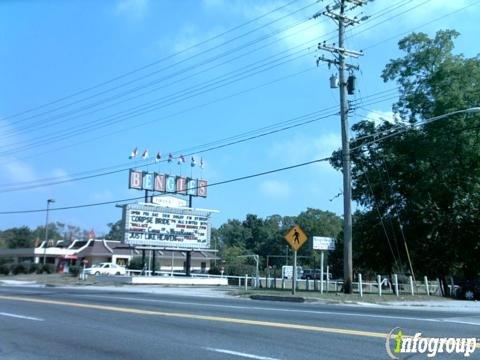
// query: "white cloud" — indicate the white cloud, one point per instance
point(12, 169)
point(60, 173)
point(288, 24)
point(275, 189)
point(191, 35)
point(18, 171)
point(379, 117)
point(104, 195)
point(408, 14)
point(133, 8)
point(213, 3)
point(302, 147)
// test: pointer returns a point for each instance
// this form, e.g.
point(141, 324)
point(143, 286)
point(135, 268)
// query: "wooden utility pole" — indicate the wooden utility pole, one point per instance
point(346, 86)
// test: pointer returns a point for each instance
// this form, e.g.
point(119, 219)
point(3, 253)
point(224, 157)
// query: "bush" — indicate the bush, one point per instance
point(135, 263)
point(18, 268)
point(29, 267)
point(74, 270)
point(48, 268)
point(5, 269)
point(38, 268)
point(239, 269)
point(214, 270)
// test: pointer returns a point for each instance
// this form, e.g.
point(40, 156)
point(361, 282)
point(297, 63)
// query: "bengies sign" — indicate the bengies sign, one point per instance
point(141, 180)
point(167, 227)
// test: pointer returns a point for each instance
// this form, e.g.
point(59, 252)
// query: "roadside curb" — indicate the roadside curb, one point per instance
point(297, 299)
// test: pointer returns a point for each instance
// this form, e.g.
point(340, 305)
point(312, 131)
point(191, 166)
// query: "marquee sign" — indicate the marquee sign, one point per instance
point(142, 180)
point(181, 228)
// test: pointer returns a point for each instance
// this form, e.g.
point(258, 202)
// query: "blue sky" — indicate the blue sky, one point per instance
point(260, 74)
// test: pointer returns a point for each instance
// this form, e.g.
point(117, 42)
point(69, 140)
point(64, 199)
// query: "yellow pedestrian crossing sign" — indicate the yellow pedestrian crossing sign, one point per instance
point(296, 237)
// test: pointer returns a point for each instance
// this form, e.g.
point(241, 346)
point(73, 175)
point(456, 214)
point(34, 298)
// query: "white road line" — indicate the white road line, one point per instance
point(20, 316)
point(241, 354)
point(318, 312)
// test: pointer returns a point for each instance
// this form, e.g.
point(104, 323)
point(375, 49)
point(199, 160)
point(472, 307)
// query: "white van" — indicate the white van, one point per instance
point(287, 272)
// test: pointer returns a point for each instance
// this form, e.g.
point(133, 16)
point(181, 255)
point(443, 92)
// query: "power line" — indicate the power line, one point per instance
point(43, 122)
point(187, 155)
point(422, 25)
point(242, 178)
point(63, 136)
point(168, 57)
point(221, 143)
point(154, 105)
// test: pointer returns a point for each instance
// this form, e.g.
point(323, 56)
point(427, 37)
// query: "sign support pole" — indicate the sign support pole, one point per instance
point(321, 271)
point(188, 262)
point(294, 275)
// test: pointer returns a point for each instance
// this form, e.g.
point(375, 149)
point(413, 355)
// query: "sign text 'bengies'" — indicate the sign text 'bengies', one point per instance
point(141, 180)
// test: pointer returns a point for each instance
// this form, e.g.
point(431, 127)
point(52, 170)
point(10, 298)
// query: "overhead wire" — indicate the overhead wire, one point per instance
point(199, 149)
point(223, 182)
point(156, 62)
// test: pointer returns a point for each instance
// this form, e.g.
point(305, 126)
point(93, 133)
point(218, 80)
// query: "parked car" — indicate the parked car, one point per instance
point(468, 289)
point(314, 274)
point(106, 269)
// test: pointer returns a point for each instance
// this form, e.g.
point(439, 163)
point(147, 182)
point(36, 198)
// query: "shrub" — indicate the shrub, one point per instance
point(5, 269)
point(135, 263)
point(48, 268)
point(38, 268)
point(214, 271)
point(28, 266)
point(18, 268)
point(74, 270)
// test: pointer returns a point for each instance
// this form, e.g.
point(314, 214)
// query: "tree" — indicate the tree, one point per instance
point(18, 237)
point(421, 186)
point(115, 232)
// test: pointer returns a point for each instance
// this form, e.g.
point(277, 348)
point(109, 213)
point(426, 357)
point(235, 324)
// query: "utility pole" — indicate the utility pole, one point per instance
point(49, 201)
point(346, 86)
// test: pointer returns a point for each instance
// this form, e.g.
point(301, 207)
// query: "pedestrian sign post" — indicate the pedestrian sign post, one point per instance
point(296, 237)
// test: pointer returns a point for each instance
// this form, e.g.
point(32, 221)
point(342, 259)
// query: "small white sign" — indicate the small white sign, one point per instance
point(169, 201)
point(323, 243)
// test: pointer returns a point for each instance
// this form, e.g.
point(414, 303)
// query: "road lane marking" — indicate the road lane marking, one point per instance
point(20, 316)
point(241, 354)
point(128, 310)
point(318, 312)
point(270, 324)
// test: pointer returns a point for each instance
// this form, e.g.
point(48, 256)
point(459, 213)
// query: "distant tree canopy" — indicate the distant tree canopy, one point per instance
point(421, 186)
point(115, 232)
point(265, 237)
point(24, 237)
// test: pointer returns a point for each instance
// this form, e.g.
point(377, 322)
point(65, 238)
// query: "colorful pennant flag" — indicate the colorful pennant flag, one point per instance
point(145, 154)
point(181, 160)
point(193, 163)
point(158, 157)
point(170, 157)
point(201, 163)
point(133, 154)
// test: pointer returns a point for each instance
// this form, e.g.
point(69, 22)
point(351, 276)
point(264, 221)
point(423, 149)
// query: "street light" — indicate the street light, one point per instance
point(49, 201)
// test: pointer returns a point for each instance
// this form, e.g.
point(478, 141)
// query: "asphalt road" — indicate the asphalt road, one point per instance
point(54, 323)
